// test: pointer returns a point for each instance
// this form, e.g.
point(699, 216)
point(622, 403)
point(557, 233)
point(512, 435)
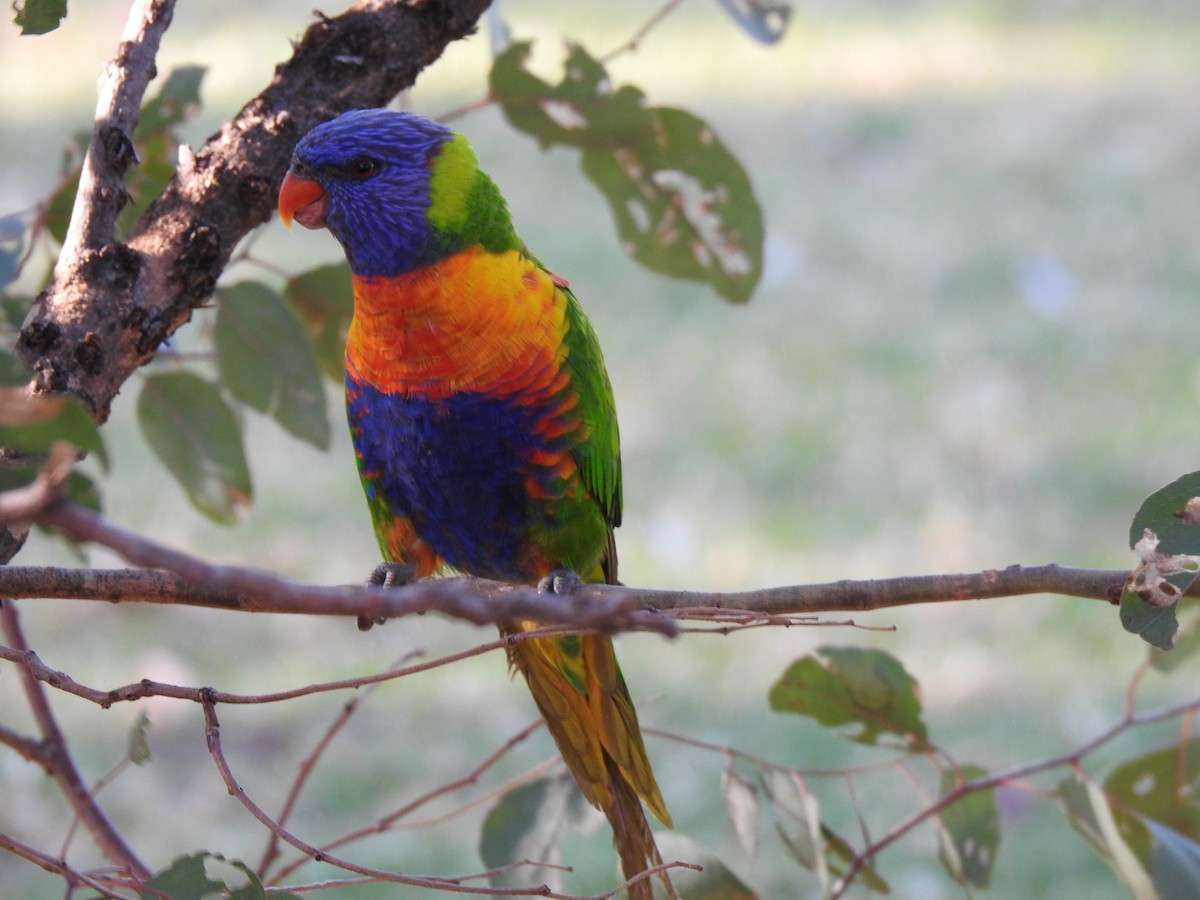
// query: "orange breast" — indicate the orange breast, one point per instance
point(477, 322)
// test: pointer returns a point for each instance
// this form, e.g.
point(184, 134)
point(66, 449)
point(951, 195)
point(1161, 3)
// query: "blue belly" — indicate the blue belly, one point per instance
point(457, 469)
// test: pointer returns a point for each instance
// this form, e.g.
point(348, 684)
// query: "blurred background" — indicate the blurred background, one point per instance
point(972, 347)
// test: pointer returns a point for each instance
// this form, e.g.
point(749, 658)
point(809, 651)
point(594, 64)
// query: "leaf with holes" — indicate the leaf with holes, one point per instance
point(683, 204)
point(267, 362)
point(970, 832)
point(195, 435)
point(851, 686)
point(324, 301)
point(1165, 535)
point(1162, 785)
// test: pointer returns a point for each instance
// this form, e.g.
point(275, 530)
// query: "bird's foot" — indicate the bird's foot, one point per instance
point(387, 575)
point(392, 574)
point(561, 582)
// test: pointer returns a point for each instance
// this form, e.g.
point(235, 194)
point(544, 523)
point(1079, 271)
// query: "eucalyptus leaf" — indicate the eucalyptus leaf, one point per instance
point(39, 16)
point(683, 204)
point(852, 686)
point(267, 361)
point(524, 824)
point(196, 436)
point(971, 826)
point(324, 301)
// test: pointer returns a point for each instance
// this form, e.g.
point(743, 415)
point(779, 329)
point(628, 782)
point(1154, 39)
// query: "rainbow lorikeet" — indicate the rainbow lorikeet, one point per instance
point(482, 417)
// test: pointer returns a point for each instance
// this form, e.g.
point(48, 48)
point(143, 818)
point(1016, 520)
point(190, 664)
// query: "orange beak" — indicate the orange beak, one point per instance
point(302, 199)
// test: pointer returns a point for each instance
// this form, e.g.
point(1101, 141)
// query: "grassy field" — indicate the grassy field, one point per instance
point(971, 348)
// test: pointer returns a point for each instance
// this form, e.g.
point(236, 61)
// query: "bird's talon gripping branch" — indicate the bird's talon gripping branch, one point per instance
point(392, 575)
point(387, 575)
point(561, 582)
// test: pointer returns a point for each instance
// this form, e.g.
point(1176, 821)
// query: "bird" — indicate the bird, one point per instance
point(483, 421)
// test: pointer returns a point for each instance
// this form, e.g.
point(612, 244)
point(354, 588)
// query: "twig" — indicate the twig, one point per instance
point(308, 765)
point(212, 734)
point(102, 195)
point(640, 35)
point(389, 820)
point(62, 766)
point(1073, 758)
point(55, 866)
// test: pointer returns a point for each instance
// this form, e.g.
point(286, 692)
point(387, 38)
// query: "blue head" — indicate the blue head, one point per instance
point(366, 176)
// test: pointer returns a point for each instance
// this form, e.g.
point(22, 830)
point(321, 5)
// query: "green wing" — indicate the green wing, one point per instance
point(598, 452)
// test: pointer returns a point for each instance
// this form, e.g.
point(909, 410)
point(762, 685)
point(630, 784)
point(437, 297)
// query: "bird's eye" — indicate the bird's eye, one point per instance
point(363, 167)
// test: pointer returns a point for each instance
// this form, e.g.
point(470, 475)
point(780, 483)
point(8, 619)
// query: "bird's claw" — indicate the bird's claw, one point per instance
point(561, 582)
point(387, 575)
point(392, 574)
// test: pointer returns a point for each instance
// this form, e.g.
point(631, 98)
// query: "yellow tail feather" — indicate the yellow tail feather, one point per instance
point(578, 687)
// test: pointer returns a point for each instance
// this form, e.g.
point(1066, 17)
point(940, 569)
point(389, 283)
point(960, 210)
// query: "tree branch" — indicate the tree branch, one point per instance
point(110, 305)
point(56, 757)
point(169, 576)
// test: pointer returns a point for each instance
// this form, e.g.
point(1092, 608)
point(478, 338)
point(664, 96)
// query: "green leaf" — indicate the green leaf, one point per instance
point(1165, 534)
point(30, 423)
point(267, 362)
point(60, 205)
point(39, 16)
point(1162, 785)
point(525, 824)
point(139, 746)
point(195, 435)
point(849, 685)
point(716, 881)
point(839, 854)
point(207, 875)
point(184, 879)
point(809, 840)
point(175, 102)
point(1186, 639)
point(683, 204)
point(763, 20)
point(155, 141)
point(971, 826)
point(323, 298)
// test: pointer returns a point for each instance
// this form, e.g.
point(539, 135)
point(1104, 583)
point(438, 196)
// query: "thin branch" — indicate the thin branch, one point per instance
point(386, 822)
point(102, 194)
point(106, 837)
point(55, 866)
point(212, 734)
point(640, 35)
point(308, 766)
point(1072, 758)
